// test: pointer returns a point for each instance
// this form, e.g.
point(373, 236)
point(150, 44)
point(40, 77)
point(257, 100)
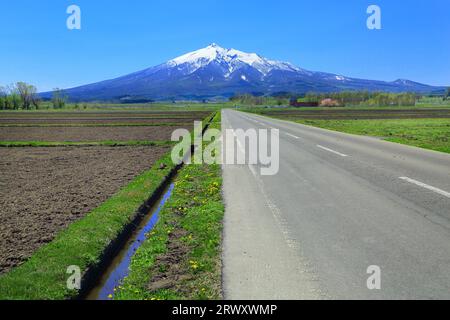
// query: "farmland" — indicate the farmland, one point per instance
point(354, 113)
point(73, 180)
point(427, 128)
point(87, 134)
point(89, 126)
point(433, 134)
point(62, 168)
point(48, 188)
point(99, 118)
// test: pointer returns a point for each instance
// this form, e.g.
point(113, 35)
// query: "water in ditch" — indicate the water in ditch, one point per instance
point(119, 267)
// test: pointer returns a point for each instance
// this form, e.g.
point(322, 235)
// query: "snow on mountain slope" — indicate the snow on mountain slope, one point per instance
point(213, 72)
point(231, 59)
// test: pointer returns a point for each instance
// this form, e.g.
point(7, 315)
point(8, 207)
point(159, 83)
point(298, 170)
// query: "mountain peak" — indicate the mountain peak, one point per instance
point(404, 82)
point(229, 59)
point(214, 45)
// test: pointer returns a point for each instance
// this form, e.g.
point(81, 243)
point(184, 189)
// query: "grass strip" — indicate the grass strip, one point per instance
point(43, 276)
point(433, 134)
point(107, 143)
point(181, 258)
point(93, 125)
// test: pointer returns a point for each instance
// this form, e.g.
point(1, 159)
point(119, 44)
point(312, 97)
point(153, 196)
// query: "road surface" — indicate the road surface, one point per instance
point(339, 204)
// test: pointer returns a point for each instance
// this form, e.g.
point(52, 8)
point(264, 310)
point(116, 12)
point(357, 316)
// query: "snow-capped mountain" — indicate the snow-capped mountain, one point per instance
point(217, 72)
point(228, 60)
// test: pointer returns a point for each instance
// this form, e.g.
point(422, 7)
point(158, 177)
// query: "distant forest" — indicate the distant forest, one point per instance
point(24, 96)
point(335, 99)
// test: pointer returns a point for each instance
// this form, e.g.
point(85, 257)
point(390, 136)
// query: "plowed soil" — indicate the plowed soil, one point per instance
point(79, 134)
point(43, 190)
point(89, 118)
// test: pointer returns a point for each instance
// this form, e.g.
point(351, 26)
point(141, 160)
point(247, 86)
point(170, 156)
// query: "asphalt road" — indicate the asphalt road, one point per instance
point(339, 204)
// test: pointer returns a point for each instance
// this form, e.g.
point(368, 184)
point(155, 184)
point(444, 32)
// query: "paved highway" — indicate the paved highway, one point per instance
point(339, 204)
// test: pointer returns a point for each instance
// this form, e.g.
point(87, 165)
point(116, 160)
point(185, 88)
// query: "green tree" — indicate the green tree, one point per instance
point(280, 101)
point(59, 98)
point(27, 94)
point(12, 100)
point(3, 94)
point(447, 94)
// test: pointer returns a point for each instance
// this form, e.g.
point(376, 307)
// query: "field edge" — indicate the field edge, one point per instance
point(181, 257)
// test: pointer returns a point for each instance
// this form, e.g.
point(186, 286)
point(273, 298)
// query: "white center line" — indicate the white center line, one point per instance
point(291, 135)
point(331, 150)
point(426, 186)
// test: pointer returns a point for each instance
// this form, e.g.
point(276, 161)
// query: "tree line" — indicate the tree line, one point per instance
point(250, 99)
point(344, 98)
point(365, 98)
point(19, 96)
point(22, 95)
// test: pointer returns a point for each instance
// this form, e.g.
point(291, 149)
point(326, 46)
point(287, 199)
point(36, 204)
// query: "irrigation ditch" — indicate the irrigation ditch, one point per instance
point(98, 281)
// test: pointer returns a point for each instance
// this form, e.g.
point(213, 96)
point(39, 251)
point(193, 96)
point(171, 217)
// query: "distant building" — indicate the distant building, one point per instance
point(329, 103)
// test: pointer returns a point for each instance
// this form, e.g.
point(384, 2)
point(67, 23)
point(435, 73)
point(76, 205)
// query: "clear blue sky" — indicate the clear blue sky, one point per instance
point(119, 37)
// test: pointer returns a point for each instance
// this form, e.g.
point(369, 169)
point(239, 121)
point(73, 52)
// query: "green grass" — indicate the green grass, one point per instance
point(263, 109)
point(197, 197)
point(107, 143)
point(44, 276)
point(195, 211)
point(431, 134)
point(87, 125)
point(433, 101)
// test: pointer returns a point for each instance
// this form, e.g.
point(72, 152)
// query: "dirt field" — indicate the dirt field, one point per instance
point(108, 114)
point(77, 134)
point(43, 190)
point(350, 114)
point(88, 118)
point(91, 122)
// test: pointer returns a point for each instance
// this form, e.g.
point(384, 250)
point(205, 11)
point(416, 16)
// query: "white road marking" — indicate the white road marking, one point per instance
point(281, 221)
point(331, 150)
point(426, 186)
point(291, 135)
point(291, 242)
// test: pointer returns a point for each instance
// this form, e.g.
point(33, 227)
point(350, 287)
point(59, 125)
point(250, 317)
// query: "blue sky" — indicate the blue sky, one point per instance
point(119, 37)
